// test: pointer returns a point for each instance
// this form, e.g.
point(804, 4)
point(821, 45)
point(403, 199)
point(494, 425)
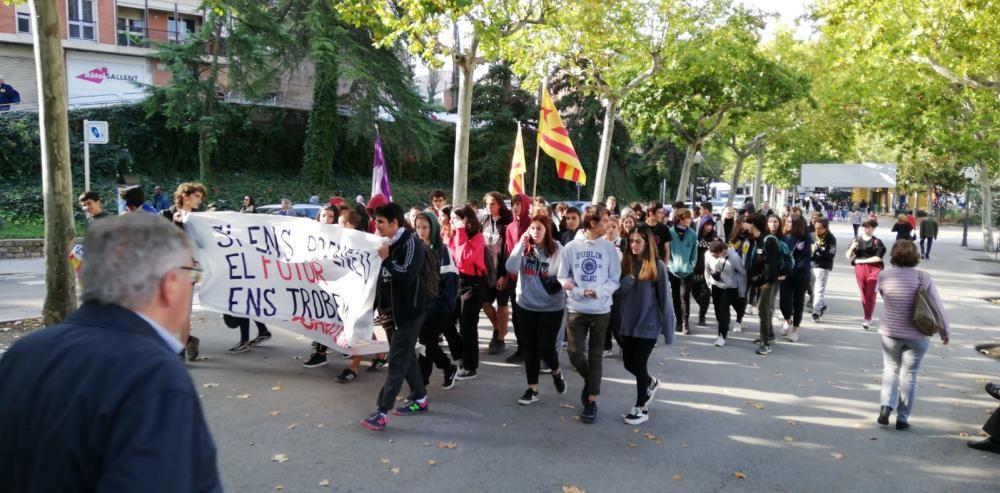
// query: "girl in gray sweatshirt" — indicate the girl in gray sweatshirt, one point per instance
point(539, 305)
point(647, 313)
point(726, 275)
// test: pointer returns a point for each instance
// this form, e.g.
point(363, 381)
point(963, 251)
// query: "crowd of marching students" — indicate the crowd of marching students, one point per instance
point(579, 279)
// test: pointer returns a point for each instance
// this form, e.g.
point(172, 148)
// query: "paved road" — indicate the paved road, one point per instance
point(22, 282)
point(801, 419)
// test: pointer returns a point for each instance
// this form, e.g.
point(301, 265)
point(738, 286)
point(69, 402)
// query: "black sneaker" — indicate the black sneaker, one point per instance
point(883, 415)
point(529, 397)
point(516, 358)
point(560, 383)
point(815, 317)
point(192, 347)
point(902, 424)
point(497, 347)
point(651, 391)
point(347, 376)
point(449, 377)
point(466, 374)
point(241, 347)
point(589, 414)
point(763, 349)
point(261, 338)
point(315, 360)
point(377, 364)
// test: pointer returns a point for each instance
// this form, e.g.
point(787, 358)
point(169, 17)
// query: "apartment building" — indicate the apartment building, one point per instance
point(110, 51)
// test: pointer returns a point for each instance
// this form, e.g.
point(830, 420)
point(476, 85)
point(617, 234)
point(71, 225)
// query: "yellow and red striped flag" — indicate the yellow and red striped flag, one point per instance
point(517, 166)
point(554, 140)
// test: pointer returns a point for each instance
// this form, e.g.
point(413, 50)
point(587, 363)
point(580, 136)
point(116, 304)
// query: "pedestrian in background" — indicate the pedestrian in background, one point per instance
point(824, 251)
point(866, 253)
point(928, 233)
point(903, 344)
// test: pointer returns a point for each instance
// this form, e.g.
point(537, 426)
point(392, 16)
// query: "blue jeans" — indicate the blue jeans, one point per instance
point(900, 363)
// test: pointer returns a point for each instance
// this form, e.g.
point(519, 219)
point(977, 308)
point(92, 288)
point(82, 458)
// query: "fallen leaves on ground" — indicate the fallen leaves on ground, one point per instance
point(320, 425)
point(448, 445)
point(684, 445)
point(791, 423)
point(677, 477)
point(274, 413)
point(279, 487)
point(394, 470)
point(756, 404)
point(963, 435)
point(243, 396)
point(279, 458)
point(565, 405)
point(210, 385)
point(982, 380)
point(432, 462)
point(325, 482)
point(385, 461)
point(649, 436)
point(776, 374)
point(632, 445)
point(739, 475)
point(573, 489)
point(789, 439)
point(873, 438)
point(276, 387)
point(292, 426)
point(837, 455)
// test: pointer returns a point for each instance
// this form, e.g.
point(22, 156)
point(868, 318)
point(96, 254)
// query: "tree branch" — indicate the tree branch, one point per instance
point(973, 81)
point(639, 79)
point(681, 130)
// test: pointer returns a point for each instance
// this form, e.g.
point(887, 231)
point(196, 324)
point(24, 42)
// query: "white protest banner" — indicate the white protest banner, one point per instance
point(318, 279)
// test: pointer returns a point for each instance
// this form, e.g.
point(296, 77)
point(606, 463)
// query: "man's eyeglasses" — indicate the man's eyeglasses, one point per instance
point(197, 273)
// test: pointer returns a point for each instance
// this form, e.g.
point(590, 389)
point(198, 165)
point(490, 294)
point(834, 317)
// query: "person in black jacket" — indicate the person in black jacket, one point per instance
point(764, 257)
point(101, 401)
point(402, 264)
point(824, 250)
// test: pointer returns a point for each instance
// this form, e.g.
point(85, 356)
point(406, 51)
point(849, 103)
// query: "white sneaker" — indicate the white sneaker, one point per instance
point(720, 342)
point(793, 335)
point(866, 324)
point(637, 415)
point(784, 328)
point(737, 328)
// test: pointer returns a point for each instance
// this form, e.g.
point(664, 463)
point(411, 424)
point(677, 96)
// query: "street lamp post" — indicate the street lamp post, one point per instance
point(698, 158)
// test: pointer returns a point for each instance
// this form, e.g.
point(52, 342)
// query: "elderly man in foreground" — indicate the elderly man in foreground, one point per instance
point(102, 402)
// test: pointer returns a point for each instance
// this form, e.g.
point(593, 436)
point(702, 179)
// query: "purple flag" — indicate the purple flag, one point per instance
point(380, 172)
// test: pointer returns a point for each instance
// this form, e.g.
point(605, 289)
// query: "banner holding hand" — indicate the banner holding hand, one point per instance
point(315, 279)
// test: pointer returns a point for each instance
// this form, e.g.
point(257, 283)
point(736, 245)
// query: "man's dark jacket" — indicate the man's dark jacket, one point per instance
point(100, 403)
point(401, 272)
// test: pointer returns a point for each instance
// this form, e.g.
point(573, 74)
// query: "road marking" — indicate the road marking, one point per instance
point(32, 283)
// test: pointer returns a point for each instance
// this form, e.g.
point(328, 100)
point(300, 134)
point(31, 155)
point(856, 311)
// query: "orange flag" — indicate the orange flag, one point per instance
point(554, 140)
point(517, 166)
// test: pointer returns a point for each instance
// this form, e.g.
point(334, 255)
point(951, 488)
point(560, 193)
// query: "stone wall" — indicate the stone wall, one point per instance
point(21, 249)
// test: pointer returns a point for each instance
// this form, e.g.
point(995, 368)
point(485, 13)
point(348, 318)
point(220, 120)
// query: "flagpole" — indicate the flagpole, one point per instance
point(538, 148)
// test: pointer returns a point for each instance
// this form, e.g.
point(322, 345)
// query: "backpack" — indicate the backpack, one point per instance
point(430, 277)
point(787, 261)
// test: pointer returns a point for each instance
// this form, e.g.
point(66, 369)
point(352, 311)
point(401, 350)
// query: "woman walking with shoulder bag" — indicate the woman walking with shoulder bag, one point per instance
point(904, 343)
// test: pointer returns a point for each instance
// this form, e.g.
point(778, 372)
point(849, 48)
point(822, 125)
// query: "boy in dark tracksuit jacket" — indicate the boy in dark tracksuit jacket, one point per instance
point(402, 264)
point(824, 250)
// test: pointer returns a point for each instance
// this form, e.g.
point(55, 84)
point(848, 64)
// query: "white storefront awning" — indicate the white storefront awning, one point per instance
point(860, 175)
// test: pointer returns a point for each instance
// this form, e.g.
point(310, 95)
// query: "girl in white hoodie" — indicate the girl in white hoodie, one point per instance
point(724, 272)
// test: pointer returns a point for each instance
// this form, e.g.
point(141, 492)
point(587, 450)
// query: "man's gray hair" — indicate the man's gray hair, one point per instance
point(126, 257)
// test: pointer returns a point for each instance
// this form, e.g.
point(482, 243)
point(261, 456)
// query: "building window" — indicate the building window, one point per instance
point(81, 19)
point(132, 32)
point(23, 19)
point(178, 31)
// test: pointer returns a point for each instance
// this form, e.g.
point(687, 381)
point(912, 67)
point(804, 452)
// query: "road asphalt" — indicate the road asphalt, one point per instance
point(724, 419)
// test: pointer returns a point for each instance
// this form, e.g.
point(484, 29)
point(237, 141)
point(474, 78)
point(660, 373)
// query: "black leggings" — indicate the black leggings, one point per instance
point(740, 305)
point(793, 297)
point(538, 340)
point(615, 325)
point(635, 354)
point(245, 329)
point(470, 296)
point(721, 299)
point(680, 289)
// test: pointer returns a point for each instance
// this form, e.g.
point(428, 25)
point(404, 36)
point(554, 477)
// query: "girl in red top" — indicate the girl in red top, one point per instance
point(467, 245)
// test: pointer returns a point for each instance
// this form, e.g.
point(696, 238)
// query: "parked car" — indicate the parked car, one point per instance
point(310, 211)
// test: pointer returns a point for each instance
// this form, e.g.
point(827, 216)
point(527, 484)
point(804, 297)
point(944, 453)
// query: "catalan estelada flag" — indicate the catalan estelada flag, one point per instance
point(554, 140)
point(517, 166)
